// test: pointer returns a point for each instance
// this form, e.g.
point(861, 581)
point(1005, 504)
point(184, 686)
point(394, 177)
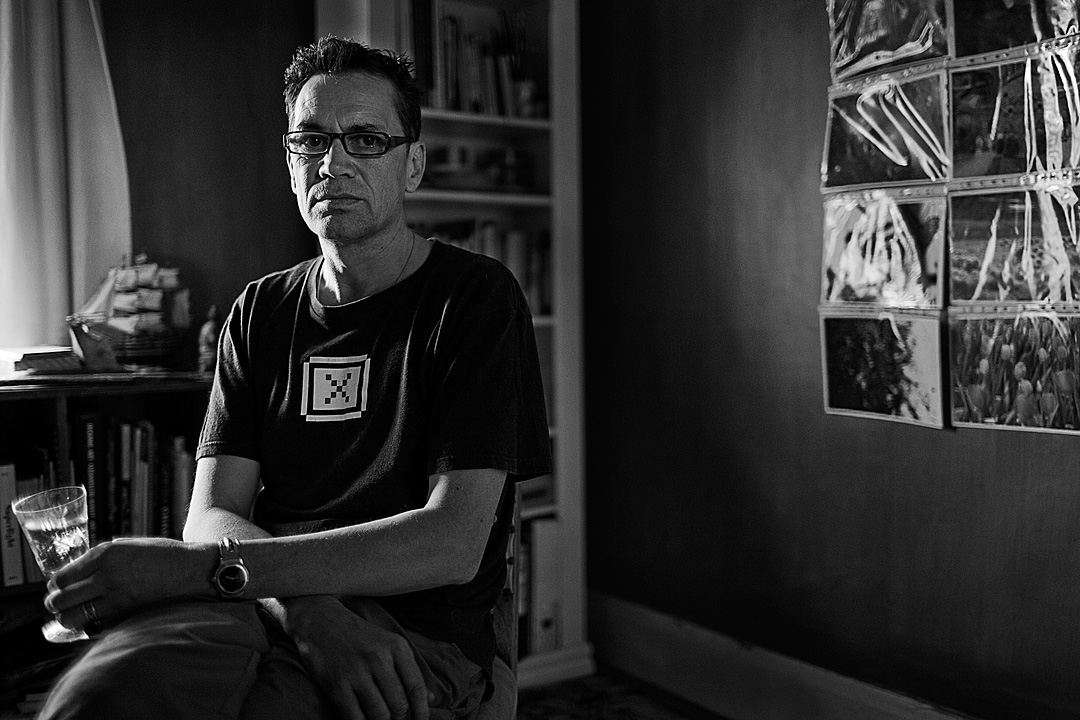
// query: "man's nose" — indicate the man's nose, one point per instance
point(336, 162)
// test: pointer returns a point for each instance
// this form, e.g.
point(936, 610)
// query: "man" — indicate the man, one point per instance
point(370, 411)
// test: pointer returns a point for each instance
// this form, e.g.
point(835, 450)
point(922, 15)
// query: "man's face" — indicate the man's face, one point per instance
point(344, 198)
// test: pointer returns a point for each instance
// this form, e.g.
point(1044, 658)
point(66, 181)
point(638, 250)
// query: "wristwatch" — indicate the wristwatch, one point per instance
point(231, 576)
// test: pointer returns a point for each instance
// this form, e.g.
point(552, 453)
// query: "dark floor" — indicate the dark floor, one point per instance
point(606, 695)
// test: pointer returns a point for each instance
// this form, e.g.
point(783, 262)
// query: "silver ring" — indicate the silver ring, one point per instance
point(90, 612)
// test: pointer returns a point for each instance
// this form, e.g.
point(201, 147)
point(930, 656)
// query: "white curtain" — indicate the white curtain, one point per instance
point(65, 214)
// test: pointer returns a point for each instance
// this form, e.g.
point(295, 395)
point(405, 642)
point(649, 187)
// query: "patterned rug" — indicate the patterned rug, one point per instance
point(607, 695)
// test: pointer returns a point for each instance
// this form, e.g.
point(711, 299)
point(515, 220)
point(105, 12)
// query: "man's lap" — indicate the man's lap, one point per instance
point(228, 660)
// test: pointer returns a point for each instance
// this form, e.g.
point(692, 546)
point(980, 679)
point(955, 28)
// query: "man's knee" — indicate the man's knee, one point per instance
point(178, 661)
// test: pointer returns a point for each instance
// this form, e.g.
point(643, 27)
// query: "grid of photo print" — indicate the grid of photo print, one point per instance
point(950, 286)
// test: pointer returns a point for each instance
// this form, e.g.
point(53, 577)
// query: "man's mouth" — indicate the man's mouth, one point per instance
point(336, 198)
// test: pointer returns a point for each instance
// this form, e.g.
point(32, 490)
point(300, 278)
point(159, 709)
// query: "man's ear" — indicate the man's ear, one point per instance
point(417, 163)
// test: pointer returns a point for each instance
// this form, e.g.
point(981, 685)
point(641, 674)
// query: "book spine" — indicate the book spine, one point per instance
point(112, 476)
point(422, 45)
point(183, 469)
point(125, 465)
point(89, 460)
point(10, 535)
point(23, 488)
point(152, 506)
point(544, 612)
point(164, 490)
point(139, 482)
point(506, 86)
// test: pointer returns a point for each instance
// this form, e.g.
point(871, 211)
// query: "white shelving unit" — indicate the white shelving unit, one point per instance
point(550, 205)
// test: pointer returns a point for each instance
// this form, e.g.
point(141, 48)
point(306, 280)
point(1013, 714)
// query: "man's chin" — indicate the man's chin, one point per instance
point(334, 229)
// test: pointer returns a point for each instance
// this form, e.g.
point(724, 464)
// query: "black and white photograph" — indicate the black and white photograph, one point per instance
point(1017, 246)
point(1016, 370)
point(883, 250)
point(1016, 116)
point(539, 359)
point(886, 365)
point(887, 131)
point(872, 36)
point(990, 26)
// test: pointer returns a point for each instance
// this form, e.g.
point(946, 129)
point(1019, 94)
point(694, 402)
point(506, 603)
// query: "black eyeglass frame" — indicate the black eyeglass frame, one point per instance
point(392, 141)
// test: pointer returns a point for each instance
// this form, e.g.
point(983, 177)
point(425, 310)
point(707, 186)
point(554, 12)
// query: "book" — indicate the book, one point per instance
point(183, 477)
point(153, 480)
point(163, 489)
point(422, 38)
point(11, 560)
point(140, 481)
point(544, 590)
point(112, 475)
point(89, 452)
point(125, 464)
point(39, 359)
point(537, 492)
point(506, 85)
point(25, 486)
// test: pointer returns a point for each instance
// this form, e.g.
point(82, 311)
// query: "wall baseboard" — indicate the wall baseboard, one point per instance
point(562, 664)
point(737, 681)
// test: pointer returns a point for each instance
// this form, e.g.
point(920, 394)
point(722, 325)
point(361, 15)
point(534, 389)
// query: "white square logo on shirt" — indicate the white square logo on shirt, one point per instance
point(335, 388)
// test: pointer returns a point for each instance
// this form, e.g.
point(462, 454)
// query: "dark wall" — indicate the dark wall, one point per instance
point(944, 564)
point(198, 86)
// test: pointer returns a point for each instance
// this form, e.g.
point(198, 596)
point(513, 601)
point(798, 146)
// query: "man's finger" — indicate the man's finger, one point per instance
point(394, 693)
point(412, 681)
point(371, 699)
point(345, 700)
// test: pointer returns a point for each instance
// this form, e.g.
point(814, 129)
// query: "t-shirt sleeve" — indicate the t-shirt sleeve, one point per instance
point(488, 408)
point(230, 426)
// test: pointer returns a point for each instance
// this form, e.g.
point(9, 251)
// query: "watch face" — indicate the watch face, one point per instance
point(232, 578)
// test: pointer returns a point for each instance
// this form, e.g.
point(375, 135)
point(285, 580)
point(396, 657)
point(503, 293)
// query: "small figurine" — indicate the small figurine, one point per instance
point(208, 340)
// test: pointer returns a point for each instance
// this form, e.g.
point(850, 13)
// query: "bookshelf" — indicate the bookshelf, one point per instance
point(504, 178)
point(41, 419)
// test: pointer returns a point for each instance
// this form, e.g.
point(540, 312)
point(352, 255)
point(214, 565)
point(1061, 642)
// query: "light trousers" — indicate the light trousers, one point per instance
point(210, 660)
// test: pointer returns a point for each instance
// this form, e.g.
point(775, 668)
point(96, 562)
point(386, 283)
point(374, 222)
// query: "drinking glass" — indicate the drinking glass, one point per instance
point(54, 523)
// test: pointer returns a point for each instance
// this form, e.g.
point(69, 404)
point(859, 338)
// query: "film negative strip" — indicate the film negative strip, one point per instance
point(872, 36)
point(1015, 246)
point(887, 130)
point(884, 247)
point(1015, 368)
point(883, 364)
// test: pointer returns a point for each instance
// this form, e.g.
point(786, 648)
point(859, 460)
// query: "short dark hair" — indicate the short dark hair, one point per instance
point(333, 56)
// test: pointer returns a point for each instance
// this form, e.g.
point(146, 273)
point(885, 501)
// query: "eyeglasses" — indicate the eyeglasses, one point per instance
point(311, 143)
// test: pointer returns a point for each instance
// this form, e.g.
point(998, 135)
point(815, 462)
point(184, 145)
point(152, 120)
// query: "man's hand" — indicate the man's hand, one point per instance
point(125, 574)
point(369, 673)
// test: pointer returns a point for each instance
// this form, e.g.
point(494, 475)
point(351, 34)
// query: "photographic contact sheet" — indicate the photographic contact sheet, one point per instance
point(884, 248)
point(950, 286)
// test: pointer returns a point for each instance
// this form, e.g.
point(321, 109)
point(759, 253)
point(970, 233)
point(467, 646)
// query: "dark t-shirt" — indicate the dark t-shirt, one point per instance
point(350, 408)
